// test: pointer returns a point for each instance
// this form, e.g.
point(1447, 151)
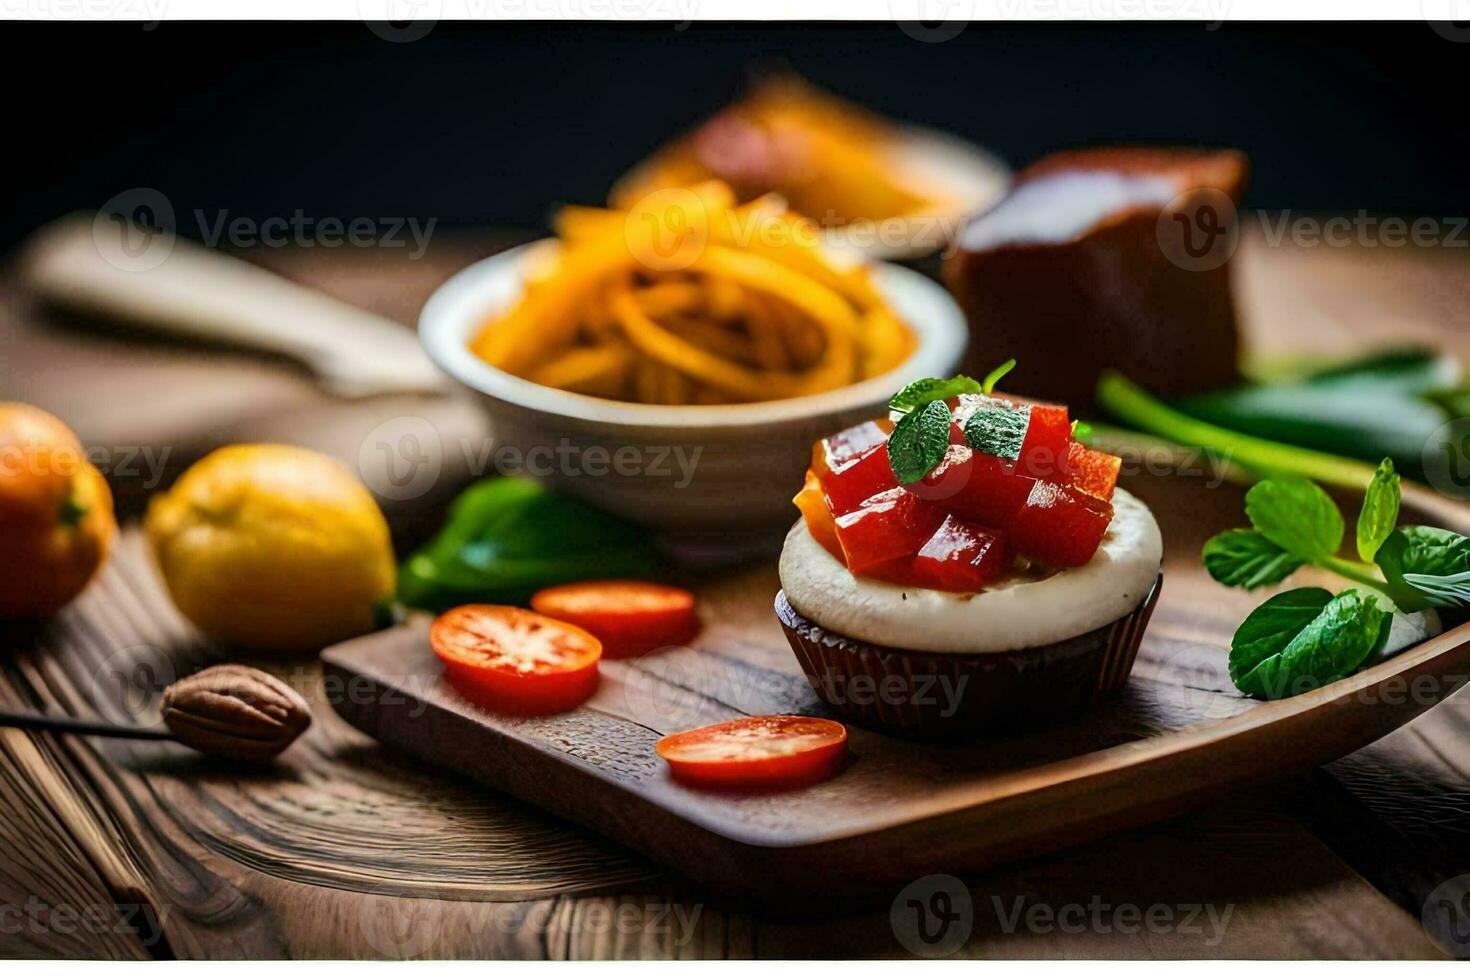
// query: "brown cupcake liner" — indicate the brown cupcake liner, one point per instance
point(920, 694)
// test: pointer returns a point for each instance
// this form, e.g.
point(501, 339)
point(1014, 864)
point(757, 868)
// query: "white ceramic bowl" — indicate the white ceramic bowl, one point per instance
point(684, 468)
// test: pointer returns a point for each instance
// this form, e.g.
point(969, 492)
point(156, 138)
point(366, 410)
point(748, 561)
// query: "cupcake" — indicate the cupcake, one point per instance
point(966, 565)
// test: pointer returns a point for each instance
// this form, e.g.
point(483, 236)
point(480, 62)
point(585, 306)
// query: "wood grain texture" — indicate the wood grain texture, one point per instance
point(233, 885)
point(1176, 735)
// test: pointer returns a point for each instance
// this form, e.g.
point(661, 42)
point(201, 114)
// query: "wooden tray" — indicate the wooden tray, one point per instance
point(1178, 734)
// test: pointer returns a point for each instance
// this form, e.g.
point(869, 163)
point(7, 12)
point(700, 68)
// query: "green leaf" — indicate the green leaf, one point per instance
point(998, 431)
point(1247, 560)
point(917, 394)
point(1304, 639)
point(1296, 515)
point(1380, 513)
point(993, 378)
point(918, 442)
point(1426, 566)
point(1082, 432)
point(506, 538)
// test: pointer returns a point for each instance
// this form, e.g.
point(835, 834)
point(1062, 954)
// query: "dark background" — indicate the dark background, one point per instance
point(494, 123)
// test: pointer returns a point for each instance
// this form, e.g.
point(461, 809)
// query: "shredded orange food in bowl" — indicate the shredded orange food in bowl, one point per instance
point(686, 298)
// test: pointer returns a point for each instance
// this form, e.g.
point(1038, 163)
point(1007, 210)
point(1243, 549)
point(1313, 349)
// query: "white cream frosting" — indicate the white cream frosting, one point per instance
point(1025, 614)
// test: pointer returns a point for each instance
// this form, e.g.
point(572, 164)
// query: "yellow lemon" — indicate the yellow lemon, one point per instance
point(272, 548)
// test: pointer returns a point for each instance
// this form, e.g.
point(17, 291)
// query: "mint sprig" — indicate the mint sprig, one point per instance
point(1305, 638)
point(921, 436)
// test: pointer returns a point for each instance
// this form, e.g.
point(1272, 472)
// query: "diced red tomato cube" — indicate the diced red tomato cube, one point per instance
point(947, 479)
point(812, 503)
point(893, 524)
point(961, 557)
point(1060, 525)
point(862, 476)
point(1044, 450)
point(1091, 471)
point(992, 495)
point(835, 452)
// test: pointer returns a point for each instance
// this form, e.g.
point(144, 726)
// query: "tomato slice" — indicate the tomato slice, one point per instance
point(516, 660)
point(763, 752)
point(630, 618)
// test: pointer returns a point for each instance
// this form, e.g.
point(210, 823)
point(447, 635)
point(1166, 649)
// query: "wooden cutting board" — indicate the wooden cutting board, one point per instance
point(1178, 734)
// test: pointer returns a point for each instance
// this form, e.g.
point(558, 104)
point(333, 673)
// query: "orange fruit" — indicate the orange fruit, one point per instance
point(55, 513)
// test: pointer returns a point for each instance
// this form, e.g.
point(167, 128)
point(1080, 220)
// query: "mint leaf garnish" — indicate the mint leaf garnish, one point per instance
point(1304, 639)
point(918, 442)
point(1380, 512)
point(1427, 566)
point(1247, 560)
point(917, 394)
point(998, 431)
point(1297, 515)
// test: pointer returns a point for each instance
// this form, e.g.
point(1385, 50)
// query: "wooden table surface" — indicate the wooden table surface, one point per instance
point(351, 850)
